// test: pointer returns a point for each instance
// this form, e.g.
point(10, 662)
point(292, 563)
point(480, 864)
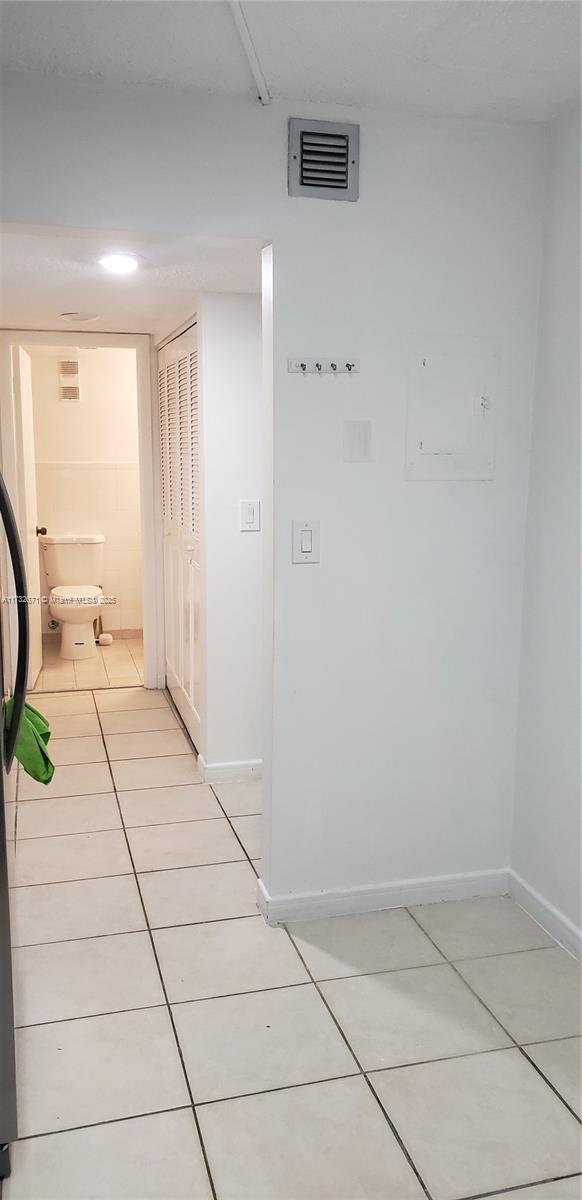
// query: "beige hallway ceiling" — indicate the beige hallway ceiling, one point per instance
point(47, 271)
point(492, 59)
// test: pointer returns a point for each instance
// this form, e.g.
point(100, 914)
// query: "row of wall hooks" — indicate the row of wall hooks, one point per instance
point(323, 366)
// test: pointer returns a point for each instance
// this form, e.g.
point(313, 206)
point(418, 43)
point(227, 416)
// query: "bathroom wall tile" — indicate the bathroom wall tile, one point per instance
point(111, 617)
point(106, 500)
point(130, 570)
point(131, 617)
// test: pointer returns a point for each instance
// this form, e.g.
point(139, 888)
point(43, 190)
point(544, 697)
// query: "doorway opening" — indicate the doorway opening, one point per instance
point(86, 468)
point(202, 354)
point(76, 453)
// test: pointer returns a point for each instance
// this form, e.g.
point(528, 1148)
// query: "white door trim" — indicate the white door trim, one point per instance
point(176, 333)
point(152, 583)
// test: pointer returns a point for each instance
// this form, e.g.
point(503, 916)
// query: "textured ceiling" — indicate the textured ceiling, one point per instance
point(174, 43)
point(49, 271)
point(500, 59)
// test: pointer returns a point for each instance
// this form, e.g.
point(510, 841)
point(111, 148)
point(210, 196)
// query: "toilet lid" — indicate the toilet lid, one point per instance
point(80, 591)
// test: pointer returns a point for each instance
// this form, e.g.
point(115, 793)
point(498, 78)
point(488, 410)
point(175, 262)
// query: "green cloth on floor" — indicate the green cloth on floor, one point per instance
point(31, 743)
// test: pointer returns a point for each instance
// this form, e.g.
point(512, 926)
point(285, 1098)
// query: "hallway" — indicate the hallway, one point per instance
point(170, 1045)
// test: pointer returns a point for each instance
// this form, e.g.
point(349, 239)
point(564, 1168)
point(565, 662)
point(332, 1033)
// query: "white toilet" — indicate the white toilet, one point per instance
point(73, 566)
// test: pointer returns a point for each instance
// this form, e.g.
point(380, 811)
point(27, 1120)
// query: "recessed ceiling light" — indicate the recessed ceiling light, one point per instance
point(119, 264)
point(79, 316)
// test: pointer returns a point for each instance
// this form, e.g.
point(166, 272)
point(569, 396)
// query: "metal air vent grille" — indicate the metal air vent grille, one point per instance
point(69, 382)
point(323, 159)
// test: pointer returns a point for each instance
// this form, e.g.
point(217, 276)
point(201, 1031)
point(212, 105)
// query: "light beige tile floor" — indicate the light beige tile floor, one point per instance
point(399, 1017)
point(165, 805)
point(240, 799)
point(118, 665)
point(135, 773)
point(152, 744)
point(249, 830)
point(183, 844)
point(69, 751)
point(68, 814)
point(480, 1123)
point(171, 1046)
point(155, 1156)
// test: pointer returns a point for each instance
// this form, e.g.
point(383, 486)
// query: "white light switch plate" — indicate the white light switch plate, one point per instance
point(305, 535)
point(250, 516)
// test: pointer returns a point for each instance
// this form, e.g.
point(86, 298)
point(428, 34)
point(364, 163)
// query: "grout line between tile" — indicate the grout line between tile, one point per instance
point(164, 989)
point(513, 1040)
point(77, 879)
point(146, 788)
point(234, 831)
point(361, 1071)
point(336, 1023)
point(77, 737)
point(93, 1016)
point(88, 762)
point(143, 929)
point(519, 1187)
point(116, 874)
point(501, 953)
point(71, 795)
point(549, 1083)
point(39, 837)
point(311, 981)
point(31, 1137)
point(568, 1037)
point(47, 837)
point(286, 1087)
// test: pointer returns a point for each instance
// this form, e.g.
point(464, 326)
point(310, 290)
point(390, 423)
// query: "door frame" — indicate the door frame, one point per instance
point(149, 484)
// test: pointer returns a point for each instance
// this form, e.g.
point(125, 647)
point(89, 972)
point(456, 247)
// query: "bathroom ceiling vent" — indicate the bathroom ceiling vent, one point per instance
point(69, 384)
point(324, 159)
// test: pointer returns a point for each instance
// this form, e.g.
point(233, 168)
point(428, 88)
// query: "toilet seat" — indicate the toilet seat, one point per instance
point(83, 592)
point(76, 606)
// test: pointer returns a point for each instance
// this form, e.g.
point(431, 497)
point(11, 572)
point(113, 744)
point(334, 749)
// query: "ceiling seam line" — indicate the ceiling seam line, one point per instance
point(250, 51)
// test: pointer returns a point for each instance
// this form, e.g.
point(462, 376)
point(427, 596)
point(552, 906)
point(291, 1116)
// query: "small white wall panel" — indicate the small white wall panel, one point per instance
point(450, 421)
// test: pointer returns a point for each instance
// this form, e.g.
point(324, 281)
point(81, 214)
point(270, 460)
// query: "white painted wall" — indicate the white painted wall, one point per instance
point(395, 663)
point(102, 427)
point(87, 469)
point(232, 416)
point(546, 835)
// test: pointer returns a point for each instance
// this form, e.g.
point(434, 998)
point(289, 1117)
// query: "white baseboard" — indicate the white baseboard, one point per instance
point(224, 772)
point(304, 906)
point(546, 914)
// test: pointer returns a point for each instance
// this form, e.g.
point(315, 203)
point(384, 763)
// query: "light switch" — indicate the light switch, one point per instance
point(250, 516)
point(306, 542)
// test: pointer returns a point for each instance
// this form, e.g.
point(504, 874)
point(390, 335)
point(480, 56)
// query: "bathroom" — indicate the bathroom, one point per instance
point(84, 411)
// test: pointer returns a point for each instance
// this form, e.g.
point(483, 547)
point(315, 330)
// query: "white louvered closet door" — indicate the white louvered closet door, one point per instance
point(178, 399)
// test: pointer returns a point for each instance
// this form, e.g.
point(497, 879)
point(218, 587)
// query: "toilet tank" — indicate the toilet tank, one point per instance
point(72, 558)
